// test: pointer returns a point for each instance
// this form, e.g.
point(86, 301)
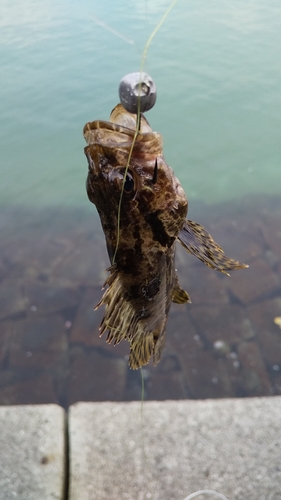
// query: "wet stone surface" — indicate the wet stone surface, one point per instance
point(224, 344)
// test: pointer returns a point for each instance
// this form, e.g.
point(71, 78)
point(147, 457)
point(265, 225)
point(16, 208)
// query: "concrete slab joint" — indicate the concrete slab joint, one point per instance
point(168, 451)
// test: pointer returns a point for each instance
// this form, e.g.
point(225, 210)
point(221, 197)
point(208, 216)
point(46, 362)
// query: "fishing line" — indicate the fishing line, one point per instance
point(106, 26)
point(138, 122)
point(142, 426)
point(206, 492)
point(137, 131)
point(142, 401)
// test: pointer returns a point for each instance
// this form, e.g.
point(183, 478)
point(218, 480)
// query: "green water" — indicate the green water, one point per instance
point(216, 65)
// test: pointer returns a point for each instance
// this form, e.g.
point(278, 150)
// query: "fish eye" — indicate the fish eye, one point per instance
point(129, 183)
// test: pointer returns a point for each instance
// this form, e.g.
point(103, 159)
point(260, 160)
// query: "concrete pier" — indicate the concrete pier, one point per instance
point(32, 452)
point(174, 448)
point(166, 450)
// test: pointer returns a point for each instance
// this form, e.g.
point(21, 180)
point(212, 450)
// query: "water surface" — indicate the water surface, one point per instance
point(216, 66)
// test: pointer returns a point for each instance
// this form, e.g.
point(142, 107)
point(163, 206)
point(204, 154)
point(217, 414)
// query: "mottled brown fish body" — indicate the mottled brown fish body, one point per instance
point(141, 232)
point(151, 215)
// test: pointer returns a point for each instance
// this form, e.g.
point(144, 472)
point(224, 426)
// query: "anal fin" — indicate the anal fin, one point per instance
point(179, 296)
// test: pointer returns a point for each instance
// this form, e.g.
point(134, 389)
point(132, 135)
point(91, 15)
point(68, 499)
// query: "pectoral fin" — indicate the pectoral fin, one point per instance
point(179, 296)
point(198, 242)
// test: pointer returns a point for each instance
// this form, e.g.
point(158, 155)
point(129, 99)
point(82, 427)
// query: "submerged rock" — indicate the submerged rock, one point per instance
point(224, 344)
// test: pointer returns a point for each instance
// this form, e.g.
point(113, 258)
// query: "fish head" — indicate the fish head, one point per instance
point(138, 197)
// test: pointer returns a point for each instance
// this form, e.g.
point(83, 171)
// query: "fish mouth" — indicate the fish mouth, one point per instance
point(120, 122)
point(119, 134)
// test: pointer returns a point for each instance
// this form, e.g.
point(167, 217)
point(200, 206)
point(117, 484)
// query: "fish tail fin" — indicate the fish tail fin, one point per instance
point(159, 347)
point(141, 349)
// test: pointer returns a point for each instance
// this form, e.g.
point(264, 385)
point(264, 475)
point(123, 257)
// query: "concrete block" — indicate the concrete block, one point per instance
point(32, 452)
point(174, 448)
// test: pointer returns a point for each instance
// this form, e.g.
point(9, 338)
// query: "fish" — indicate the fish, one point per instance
point(141, 232)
